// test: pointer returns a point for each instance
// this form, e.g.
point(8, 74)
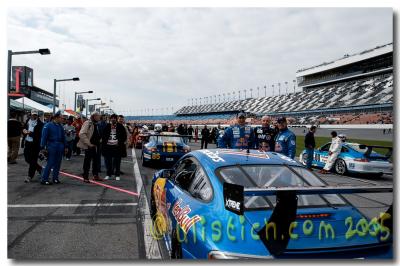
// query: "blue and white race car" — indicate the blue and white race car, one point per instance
point(165, 147)
point(232, 204)
point(354, 158)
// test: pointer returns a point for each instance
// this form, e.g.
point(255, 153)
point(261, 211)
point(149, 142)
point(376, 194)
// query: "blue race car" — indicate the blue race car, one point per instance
point(354, 158)
point(226, 204)
point(165, 147)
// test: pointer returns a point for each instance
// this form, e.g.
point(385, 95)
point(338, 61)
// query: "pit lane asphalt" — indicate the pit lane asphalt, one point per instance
point(76, 220)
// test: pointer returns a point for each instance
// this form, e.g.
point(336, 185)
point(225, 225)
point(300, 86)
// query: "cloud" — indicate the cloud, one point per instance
point(160, 57)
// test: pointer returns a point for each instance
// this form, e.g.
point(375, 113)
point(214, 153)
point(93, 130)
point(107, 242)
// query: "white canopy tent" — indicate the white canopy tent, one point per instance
point(38, 106)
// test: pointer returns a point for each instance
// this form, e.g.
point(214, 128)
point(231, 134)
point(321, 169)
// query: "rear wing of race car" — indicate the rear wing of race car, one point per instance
point(370, 147)
point(234, 194)
point(285, 210)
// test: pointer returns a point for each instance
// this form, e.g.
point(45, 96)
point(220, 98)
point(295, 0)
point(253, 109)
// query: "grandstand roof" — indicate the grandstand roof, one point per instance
point(347, 59)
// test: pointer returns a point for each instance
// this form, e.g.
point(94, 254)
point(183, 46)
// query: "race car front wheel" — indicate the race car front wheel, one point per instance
point(176, 248)
point(340, 167)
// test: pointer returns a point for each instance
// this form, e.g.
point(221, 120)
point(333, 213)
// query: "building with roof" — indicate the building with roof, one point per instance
point(371, 62)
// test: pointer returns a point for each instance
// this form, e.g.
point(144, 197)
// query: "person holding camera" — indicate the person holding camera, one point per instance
point(33, 133)
point(70, 135)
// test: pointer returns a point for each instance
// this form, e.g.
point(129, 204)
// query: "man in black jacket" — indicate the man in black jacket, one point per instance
point(205, 136)
point(33, 134)
point(13, 138)
point(309, 143)
point(265, 135)
point(113, 144)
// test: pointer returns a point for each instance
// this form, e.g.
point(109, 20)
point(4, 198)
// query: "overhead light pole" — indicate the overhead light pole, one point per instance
point(44, 51)
point(77, 93)
point(87, 104)
point(55, 88)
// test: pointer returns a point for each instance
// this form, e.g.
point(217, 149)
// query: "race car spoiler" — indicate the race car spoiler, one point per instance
point(370, 147)
point(285, 210)
point(234, 194)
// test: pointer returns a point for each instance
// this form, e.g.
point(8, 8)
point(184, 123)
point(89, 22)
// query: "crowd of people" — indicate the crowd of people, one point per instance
point(61, 137)
point(108, 136)
point(272, 135)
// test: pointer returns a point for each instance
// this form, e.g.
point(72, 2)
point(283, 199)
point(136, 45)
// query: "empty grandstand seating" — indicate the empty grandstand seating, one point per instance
point(367, 91)
point(352, 102)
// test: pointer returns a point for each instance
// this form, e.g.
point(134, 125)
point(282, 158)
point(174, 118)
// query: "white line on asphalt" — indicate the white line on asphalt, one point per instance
point(151, 245)
point(71, 205)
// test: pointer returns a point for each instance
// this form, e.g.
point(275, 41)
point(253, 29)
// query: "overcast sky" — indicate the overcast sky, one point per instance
point(158, 58)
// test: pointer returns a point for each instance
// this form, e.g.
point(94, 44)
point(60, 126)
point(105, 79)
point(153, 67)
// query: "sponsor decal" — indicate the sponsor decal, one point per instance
point(155, 156)
point(182, 216)
point(286, 158)
point(231, 204)
point(147, 156)
point(213, 156)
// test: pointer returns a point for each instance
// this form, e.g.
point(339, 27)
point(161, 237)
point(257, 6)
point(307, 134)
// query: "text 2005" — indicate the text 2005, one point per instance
point(373, 228)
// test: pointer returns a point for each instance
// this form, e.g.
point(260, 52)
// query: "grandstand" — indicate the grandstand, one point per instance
point(359, 84)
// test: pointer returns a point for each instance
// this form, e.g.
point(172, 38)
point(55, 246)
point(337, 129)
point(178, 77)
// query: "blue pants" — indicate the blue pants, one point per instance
point(56, 152)
point(70, 146)
point(310, 156)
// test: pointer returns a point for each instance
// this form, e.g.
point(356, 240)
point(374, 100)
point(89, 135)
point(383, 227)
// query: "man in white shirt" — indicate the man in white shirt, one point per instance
point(334, 151)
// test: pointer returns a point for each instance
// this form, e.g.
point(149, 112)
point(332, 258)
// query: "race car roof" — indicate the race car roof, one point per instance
point(215, 158)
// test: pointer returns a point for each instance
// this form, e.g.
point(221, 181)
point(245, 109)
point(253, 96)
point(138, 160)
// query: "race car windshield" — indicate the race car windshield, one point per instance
point(263, 176)
point(162, 139)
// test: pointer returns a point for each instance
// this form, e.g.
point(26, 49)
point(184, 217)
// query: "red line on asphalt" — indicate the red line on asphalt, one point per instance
point(102, 184)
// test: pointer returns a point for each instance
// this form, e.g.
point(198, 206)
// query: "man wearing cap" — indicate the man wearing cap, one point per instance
point(238, 136)
point(33, 132)
point(265, 135)
point(90, 141)
point(53, 140)
point(285, 140)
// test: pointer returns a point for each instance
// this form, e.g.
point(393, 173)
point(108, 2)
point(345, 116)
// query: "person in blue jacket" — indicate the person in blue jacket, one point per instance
point(53, 140)
point(285, 140)
point(238, 136)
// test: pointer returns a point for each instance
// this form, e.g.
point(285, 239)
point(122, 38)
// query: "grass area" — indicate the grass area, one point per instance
point(322, 140)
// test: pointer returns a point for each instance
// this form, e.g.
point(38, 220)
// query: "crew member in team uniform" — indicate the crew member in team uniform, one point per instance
point(265, 135)
point(285, 140)
point(238, 136)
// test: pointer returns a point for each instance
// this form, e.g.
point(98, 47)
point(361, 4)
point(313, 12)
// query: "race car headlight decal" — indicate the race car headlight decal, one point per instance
point(215, 254)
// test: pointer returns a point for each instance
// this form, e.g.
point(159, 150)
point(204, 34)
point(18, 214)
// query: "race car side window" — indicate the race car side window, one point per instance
point(344, 149)
point(200, 187)
point(325, 147)
point(184, 173)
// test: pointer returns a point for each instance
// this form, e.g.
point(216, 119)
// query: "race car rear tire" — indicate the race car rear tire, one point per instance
point(176, 248)
point(340, 167)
